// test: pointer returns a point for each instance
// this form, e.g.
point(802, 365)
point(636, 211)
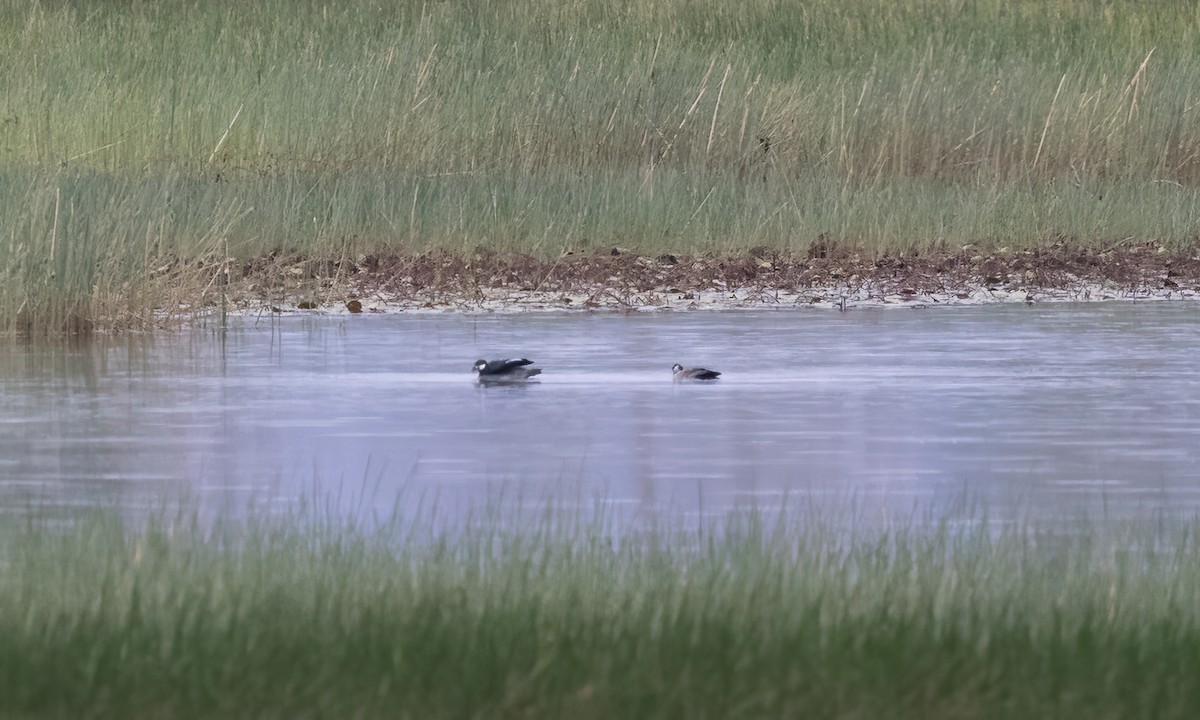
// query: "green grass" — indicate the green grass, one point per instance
point(131, 133)
point(787, 617)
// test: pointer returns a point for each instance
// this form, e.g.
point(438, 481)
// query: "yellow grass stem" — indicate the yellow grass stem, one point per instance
point(225, 135)
point(1049, 116)
point(713, 125)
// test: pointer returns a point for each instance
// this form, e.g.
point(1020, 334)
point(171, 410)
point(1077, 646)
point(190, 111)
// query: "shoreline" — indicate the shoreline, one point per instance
point(826, 278)
point(505, 301)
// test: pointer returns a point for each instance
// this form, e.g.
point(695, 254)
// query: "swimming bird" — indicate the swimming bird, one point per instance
point(506, 370)
point(682, 373)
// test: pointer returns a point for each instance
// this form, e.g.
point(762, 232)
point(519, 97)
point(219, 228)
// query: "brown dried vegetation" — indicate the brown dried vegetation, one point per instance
point(449, 279)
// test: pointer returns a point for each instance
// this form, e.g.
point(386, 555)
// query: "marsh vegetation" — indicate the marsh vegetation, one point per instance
point(151, 153)
point(563, 614)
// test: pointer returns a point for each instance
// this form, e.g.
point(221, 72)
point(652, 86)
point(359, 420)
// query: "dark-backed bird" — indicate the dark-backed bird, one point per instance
point(682, 373)
point(514, 370)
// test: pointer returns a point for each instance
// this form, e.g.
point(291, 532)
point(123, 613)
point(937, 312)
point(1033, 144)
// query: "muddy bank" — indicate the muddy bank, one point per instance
point(827, 276)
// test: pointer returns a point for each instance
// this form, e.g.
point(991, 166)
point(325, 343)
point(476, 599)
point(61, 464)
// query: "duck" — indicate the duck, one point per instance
point(506, 370)
point(697, 373)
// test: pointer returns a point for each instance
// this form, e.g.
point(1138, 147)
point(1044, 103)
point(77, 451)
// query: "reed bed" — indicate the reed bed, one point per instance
point(796, 615)
point(136, 135)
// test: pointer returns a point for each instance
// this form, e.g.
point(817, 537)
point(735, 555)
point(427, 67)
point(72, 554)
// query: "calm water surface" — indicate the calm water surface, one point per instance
point(1054, 410)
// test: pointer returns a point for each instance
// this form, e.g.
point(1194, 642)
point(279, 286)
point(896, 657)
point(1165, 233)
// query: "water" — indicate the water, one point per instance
point(1051, 410)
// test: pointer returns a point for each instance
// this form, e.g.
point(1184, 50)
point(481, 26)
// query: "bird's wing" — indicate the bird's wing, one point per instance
point(499, 366)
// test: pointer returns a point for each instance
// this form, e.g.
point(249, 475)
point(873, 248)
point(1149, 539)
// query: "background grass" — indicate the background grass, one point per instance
point(564, 617)
point(132, 133)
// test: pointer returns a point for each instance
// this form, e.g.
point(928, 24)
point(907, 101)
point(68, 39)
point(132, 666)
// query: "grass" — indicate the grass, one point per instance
point(133, 135)
point(563, 617)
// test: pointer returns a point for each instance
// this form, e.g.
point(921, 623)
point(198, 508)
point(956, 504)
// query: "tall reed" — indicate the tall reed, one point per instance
point(166, 130)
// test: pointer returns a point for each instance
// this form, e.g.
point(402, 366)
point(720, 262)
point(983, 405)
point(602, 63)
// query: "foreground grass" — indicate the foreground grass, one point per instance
point(789, 618)
point(138, 138)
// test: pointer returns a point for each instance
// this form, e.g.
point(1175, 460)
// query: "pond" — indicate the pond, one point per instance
point(1054, 411)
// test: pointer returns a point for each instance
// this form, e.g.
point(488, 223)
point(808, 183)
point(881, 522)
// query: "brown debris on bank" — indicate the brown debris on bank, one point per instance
point(827, 275)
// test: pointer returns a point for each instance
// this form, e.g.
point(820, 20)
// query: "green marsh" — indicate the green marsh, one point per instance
point(138, 138)
point(787, 617)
